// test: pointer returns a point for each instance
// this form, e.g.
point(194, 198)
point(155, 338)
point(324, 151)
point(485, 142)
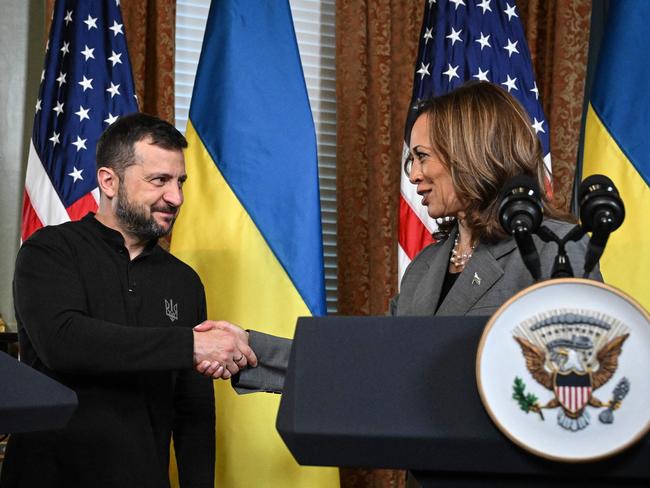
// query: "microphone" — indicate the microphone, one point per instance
point(601, 213)
point(520, 214)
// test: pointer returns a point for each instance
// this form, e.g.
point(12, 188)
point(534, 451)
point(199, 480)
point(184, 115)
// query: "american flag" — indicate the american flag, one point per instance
point(86, 85)
point(464, 40)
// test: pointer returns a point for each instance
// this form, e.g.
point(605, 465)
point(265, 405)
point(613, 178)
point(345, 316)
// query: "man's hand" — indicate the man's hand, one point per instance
point(221, 349)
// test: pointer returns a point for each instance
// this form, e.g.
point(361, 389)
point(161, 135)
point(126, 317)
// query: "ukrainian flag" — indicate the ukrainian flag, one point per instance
point(617, 141)
point(250, 225)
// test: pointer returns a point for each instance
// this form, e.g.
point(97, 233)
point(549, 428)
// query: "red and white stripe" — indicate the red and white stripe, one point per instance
point(573, 398)
point(41, 203)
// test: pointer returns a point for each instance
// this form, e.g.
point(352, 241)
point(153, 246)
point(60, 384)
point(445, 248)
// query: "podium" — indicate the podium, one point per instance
point(400, 393)
point(31, 401)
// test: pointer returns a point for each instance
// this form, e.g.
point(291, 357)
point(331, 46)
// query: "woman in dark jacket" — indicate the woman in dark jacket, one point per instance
point(464, 147)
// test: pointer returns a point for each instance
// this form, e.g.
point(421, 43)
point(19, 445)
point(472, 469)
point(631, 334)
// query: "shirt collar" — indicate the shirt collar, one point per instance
point(113, 237)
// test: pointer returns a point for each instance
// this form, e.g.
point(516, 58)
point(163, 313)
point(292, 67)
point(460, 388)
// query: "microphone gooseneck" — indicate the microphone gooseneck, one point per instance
point(520, 214)
point(601, 213)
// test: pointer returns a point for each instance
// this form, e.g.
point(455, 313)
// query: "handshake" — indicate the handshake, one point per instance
point(221, 349)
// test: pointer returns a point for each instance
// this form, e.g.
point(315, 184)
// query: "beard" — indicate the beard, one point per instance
point(137, 221)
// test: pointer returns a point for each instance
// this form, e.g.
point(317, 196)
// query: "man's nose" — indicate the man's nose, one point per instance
point(174, 195)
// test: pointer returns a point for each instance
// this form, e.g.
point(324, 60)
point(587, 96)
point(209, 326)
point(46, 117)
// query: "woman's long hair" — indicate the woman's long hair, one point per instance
point(484, 137)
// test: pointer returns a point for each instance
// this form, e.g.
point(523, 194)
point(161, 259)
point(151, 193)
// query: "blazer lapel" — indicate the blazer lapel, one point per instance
point(427, 293)
point(480, 274)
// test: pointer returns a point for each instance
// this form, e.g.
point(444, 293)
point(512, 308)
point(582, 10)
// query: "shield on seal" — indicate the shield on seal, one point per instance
point(573, 390)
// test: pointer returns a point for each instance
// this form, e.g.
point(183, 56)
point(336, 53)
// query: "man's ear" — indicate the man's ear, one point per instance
point(108, 181)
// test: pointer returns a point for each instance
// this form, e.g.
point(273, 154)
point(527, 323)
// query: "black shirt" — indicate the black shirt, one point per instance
point(118, 332)
point(450, 279)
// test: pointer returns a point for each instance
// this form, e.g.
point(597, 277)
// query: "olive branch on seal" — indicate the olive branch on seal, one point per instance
point(527, 401)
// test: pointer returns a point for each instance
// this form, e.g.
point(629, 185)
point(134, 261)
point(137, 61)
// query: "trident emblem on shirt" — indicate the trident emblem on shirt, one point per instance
point(171, 310)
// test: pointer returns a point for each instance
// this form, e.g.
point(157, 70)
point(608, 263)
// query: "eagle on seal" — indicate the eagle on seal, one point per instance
point(566, 369)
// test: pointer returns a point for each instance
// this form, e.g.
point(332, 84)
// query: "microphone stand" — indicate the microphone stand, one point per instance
point(527, 249)
point(561, 266)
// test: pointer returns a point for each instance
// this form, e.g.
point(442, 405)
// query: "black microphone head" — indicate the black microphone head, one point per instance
point(520, 183)
point(595, 182)
point(521, 206)
point(601, 207)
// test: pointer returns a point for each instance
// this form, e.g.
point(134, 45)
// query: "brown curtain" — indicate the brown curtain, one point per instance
point(150, 30)
point(376, 47)
point(149, 26)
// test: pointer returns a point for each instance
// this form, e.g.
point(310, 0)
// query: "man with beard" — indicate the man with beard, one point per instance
point(103, 309)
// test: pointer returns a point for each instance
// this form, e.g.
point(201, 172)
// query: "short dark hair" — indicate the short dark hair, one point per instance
point(116, 146)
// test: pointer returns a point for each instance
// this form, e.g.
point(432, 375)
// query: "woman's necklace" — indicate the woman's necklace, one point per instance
point(460, 259)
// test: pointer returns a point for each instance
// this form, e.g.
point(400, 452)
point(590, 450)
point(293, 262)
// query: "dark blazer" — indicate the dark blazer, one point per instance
point(495, 273)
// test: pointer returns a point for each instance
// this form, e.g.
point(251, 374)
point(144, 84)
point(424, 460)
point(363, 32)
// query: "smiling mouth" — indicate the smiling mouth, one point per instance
point(165, 209)
point(166, 214)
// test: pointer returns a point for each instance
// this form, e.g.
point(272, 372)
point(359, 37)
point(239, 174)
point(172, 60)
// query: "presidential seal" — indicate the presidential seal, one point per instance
point(571, 353)
point(561, 370)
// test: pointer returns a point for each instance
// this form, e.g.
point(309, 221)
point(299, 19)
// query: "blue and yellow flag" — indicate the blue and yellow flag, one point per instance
point(250, 225)
point(617, 142)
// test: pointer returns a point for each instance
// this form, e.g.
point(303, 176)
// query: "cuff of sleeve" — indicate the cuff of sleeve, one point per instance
point(257, 380)
point(185, 346)
point(272, 358)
